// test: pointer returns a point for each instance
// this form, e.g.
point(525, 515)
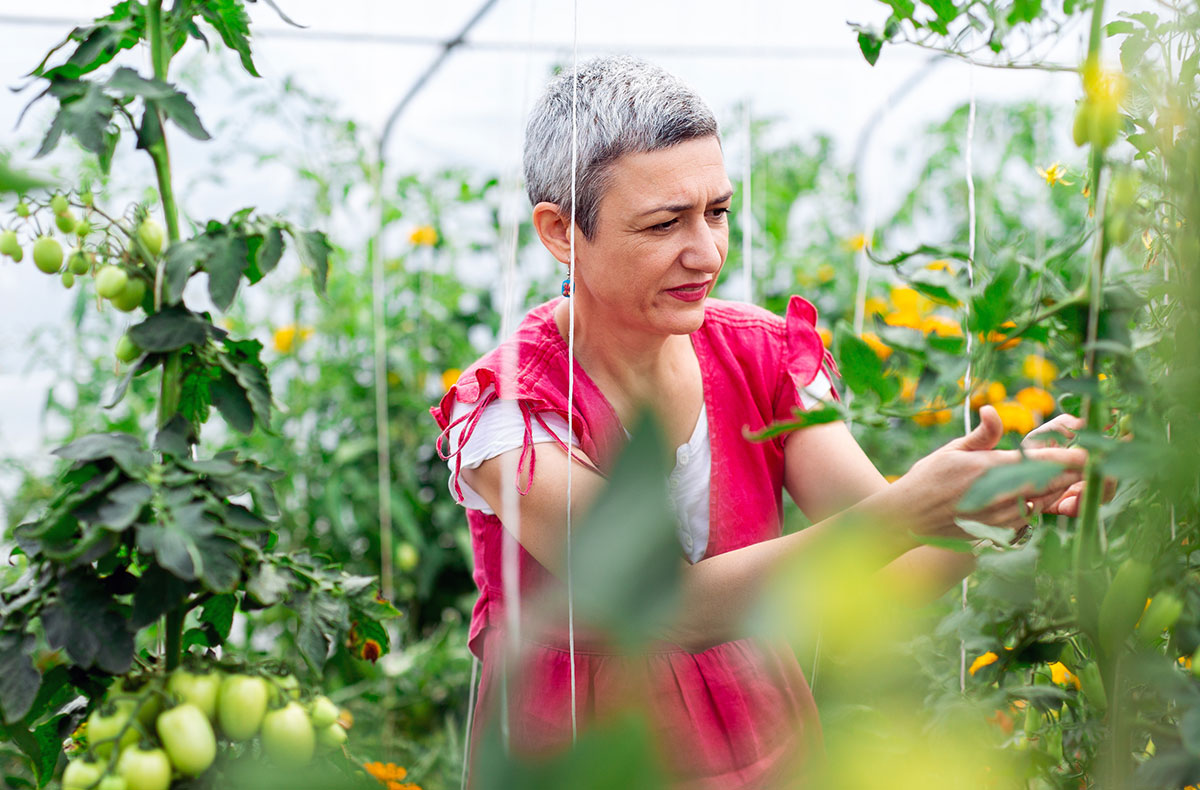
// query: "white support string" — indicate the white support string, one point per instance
point(747, 207)
point(470, 720)
point(571, 350)
point(962, 645)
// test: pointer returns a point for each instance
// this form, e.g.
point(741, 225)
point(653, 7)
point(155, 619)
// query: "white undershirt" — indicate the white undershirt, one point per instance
point(501, 428)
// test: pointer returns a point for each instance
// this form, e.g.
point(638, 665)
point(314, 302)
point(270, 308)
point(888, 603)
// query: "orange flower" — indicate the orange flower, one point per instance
point(1002, 720)
point(1185, 662)
point(1041, 370)
point(1061, 676)
point(987, 392)
point(933, 414)
point(1037, 400)
point(980, 662)
point(881, 349)
point(1000, 337)
point(941, 326)
point(1016, 417)
point(285, 337)
point(386, 772)
point(905, 318)
point(826, 336)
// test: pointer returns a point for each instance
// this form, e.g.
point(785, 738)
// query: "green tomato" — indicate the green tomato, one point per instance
point(287, 735)
point(1124, 603)
point(68, 279)
point(106, 722)
point(130, 297)
point(127, 350)
point(331, 737)
point(144, 769)
point(47, 255)
point(150, 234)
point(83, 228)
point(10, 246)
point(323, 712)
point(1164, 610)
point(188, 738)
point(200, 689)
point(110, 281)
point(284, 688)
point(22, 209)
point(78, 262)
point(65, 221)
point(241, 704)
point(59, 204)
point(407, 556)
point(81, 773)
point(112, 782)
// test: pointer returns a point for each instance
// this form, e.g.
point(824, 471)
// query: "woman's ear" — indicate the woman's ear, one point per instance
point(554, 230)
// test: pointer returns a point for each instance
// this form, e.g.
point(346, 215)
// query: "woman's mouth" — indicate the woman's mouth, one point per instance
point(692, 292)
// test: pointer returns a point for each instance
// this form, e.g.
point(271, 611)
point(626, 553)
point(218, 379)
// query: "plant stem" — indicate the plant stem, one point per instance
point(174, 645)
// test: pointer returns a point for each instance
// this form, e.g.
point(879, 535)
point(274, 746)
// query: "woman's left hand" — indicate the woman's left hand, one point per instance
point(1052, 434)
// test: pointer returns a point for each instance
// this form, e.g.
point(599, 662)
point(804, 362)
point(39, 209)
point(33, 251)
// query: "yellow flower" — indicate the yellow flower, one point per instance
point(826, 336)
point(1039, 369)
point(982, 661)
point(1185, 662)
point(424, 235)
point(450, 377)
point(909, 300)
point(1016, 417)
point(856, 243)
point(873, 305)
point(1000, 337)
point(941, 326)
point(933, 413)
point(905, 318)
point(908, 389)
point(1037, 400)
point(987, 392)
point(825, 273)
point(881, 349)
point(1061, 676)
point(285, 337)
point(1054, 174)
point(940, 265)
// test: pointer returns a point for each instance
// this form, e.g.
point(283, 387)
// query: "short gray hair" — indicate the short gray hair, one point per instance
point(625, 105)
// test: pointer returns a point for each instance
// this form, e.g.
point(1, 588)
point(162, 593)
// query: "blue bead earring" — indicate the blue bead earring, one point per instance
point(566, 288)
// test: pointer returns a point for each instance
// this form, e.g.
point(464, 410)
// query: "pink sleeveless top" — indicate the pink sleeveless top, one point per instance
point(739, 714)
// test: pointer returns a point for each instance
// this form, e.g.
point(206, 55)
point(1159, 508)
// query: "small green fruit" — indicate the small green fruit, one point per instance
point(83, 228)
point(131, 295)
point(59, 204)
point(10, 246)
point(110, 281)
point(150, 234)
point(65, 221)
point(22, 209)
point(127, 350)
point(68, 279)
point(78, 263)
point(47, 255)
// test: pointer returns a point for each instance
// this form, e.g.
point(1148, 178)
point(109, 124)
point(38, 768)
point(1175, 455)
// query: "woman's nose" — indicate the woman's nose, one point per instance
point(706, 248)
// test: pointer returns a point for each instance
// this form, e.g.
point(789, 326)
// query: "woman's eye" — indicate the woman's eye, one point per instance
point(664, 225)
point(720, 213)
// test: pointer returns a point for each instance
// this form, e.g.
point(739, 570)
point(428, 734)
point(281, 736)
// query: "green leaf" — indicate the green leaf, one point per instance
point(229, 19)
point(313, 248)
point(158, 592)
point(1189, 730)
point(218, 612)
point(901, 9)
point(268, 584)
point(322, 620)
point(1007, 479)
point(183, 258)
point(946, 10)
point(173, 540)
point(241, 358)
point(83, 620)
point(122, 29)
point(1024, 11)
point(1133, 49)
point(122, 505)
point(174, 438)
point(85, 113)
point(136, 368)
point(859, 365)
point(625, 554)
point(265, 252)
point(995, 304)
point(870, 44)
point(149, 131)
point(220, 568)
point(129, 83)
point(803, 419)
point(179, 108)
point(227, 256)
point(230, 399)
point(998, 535)
point(19, 181)
point(122, 448)
point(171, 330)
point(19, 680)
point(195, 398)
point(1117, 28)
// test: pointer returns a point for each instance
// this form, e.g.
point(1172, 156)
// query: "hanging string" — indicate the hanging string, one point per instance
point(571, 350)
point(747, 207)
point(962, 645)
point(470, 721)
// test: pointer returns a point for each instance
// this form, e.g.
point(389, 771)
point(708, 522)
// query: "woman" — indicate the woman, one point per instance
point(649, 238)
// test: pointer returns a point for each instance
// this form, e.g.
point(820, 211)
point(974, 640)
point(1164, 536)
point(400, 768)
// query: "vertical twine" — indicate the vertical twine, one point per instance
point(962, 645)
point(747, 208)
point(571, 352)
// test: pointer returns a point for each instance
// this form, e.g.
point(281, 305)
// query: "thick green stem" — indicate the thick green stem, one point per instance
point(174, 637)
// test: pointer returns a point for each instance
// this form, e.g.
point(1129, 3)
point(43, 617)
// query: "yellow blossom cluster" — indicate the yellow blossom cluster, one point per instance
point(390, 775)
point(423, 236)
point(285, 338)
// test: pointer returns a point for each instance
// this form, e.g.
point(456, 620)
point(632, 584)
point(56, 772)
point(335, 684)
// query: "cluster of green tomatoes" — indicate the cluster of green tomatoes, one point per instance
point(116, 262)
point(151, 730)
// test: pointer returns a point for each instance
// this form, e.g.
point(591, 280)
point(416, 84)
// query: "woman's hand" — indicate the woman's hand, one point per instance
point(1050, 434)
point(936, 483)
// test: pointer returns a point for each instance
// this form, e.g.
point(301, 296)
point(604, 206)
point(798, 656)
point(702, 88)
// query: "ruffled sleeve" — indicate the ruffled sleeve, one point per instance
point(805, 363)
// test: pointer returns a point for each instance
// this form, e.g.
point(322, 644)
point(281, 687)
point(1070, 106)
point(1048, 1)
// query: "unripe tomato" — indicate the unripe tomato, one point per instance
point(112, 782)
point(83, 228)
point(323, 712)
point(127, 350)
point(1092, 686)
point(65, 221)
point(188, 738)
point(150, 234)
point(144, 769)
point(78, 263)
point(22, 209)
point(1123, 603)
point(130, 297)
point(47, 255)
point(68, 279)
point(59, 204)
point(287, 735)
point(1164, 610)
point(81, 773)
point(241, 704)
point(1079, 129)
point(332, 736)
point(110, 281)
point(407, 556)
point(284, 688)
point(200, 689)
point(10, 246)
point(106, 721)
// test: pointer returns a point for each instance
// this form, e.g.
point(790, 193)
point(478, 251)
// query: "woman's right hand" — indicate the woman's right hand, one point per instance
point(935, 484)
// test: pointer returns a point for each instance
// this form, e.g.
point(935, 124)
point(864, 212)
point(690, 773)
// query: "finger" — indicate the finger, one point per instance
point(1047, 435)
point(985, 436)
point(1070, 457)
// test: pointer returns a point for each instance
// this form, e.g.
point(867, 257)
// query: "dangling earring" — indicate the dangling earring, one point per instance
point(566, 288)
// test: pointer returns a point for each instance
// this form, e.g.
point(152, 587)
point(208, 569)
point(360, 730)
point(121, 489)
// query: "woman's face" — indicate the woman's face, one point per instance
point(660, 239)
